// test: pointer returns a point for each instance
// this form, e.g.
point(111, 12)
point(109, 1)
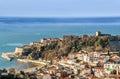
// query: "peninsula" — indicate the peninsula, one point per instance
point(73, 57)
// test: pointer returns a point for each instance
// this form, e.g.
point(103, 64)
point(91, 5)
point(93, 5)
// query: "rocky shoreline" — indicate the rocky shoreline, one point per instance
point(37, 63)
point(8, 56)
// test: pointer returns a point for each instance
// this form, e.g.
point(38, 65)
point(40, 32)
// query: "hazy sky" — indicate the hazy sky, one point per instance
point(60, 8)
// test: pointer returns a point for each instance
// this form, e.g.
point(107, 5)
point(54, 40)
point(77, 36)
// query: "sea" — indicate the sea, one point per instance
point(19, 31)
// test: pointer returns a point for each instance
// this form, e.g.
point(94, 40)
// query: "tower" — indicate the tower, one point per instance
point(98, 33)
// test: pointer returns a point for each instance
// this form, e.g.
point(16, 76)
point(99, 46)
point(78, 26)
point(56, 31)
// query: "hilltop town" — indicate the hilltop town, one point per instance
point(73, 57)
point(48, 48)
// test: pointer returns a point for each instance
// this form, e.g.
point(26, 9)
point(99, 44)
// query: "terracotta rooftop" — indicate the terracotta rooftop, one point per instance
point(92, 77)
point(101, 58)
point(52, 69)
point(99, 68)
point(114, 59)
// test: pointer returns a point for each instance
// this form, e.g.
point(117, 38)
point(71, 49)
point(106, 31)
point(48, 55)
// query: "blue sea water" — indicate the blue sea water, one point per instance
point(16, 32)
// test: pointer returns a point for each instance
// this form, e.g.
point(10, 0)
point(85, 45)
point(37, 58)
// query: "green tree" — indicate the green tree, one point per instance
point(100, 42)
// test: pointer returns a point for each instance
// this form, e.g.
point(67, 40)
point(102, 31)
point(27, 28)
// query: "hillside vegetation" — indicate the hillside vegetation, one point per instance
point(69, 44)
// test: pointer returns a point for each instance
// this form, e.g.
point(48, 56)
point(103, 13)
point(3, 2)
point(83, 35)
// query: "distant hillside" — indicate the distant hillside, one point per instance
point(60, 20)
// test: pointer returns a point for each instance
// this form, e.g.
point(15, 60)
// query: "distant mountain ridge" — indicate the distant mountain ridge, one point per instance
point(60, 20)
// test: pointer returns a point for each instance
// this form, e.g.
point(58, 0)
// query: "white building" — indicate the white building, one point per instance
point(46, 76)
point(111, 66)
point(86, 58)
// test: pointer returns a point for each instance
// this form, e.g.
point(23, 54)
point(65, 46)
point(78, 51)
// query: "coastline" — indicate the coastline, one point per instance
point(8, 56)
point(38, 63)
point(75, 63)
point(31, 61)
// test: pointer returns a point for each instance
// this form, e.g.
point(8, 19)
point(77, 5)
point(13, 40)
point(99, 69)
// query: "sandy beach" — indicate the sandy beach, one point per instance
point(38, 64)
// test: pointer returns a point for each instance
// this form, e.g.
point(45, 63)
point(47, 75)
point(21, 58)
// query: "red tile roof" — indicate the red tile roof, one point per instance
point(99, 68)
point(92, 77)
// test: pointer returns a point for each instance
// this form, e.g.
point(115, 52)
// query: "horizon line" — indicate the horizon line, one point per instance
point(59, 17)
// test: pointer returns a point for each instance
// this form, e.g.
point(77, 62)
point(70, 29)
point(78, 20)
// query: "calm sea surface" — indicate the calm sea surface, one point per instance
point(15, 34)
